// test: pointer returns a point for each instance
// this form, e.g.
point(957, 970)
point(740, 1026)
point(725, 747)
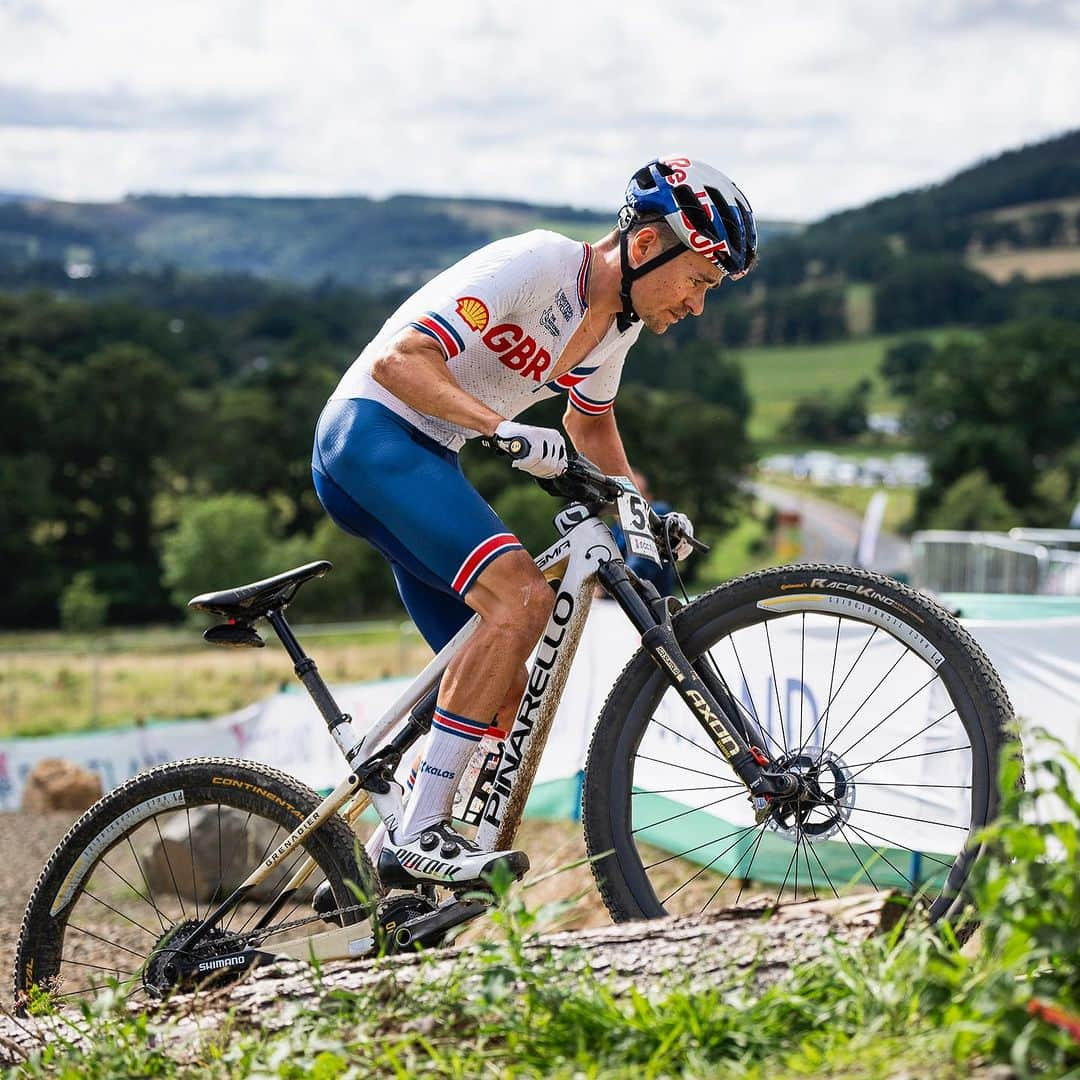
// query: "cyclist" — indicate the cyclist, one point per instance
point(519, 321)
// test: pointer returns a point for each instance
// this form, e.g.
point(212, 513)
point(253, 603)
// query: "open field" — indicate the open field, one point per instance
point(1036, 264)
point(50, 683)
point(777, 376)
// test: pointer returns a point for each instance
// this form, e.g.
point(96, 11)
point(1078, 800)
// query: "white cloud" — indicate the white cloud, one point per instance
point(810, 108)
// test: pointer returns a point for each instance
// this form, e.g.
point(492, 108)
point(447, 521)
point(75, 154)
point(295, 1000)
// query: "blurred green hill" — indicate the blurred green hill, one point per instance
point(369, 243)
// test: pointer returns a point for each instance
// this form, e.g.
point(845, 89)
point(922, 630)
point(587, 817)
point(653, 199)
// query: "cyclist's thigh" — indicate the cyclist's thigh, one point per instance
point(438, 612)
point(381, 479)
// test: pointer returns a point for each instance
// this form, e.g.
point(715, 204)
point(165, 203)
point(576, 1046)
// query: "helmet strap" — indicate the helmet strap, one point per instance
point(628, 316)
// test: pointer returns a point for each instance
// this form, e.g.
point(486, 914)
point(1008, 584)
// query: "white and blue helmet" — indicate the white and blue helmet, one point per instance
point(705, 210)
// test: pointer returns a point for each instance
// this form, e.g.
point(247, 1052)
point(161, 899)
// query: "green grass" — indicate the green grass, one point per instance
point(911, 1003)
point(777, 376)
point(52, 683)
point(748, 546)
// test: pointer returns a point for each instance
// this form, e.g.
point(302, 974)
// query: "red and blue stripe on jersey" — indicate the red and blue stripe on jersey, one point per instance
point(435, 326)
point(583, 278)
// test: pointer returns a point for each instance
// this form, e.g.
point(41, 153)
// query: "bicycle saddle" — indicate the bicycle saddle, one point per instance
point(246, 603)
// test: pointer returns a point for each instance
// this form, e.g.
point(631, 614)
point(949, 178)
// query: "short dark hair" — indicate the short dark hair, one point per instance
point(668, 239)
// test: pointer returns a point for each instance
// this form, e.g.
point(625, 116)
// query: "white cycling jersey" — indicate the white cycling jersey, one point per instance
point(502, 317)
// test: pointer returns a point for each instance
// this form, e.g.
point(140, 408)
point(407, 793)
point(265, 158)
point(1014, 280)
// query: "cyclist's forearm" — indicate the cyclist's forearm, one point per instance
point(418, 375)
point(597, 437)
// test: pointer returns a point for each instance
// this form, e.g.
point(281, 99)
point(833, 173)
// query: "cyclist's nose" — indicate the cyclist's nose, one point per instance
point(696, 301)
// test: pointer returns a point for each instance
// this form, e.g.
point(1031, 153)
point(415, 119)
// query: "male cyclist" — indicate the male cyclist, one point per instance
point(519, 321)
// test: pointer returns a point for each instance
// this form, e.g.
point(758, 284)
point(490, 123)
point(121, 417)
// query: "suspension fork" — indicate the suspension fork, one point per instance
point(704, 693)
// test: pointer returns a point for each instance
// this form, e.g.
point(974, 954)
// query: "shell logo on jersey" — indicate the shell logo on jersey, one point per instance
point(518, 350)
point(474, 312)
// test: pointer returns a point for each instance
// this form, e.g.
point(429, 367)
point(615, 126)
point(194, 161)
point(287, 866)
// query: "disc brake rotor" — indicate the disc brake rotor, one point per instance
point(825, 800)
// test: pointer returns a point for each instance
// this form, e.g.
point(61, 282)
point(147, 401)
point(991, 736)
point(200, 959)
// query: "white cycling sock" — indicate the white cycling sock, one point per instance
point(451, 743)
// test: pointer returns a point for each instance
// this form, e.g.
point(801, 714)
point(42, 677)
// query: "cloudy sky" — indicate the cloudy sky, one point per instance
point(809, 107)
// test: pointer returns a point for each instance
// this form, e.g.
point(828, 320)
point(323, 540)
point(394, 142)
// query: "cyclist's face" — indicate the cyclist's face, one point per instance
point(672, 291)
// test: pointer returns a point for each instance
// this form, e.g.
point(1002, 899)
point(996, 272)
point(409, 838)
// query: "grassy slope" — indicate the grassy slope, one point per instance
point(777, 376)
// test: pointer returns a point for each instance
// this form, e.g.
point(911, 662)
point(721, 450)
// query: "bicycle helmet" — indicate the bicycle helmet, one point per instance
point(705, 210)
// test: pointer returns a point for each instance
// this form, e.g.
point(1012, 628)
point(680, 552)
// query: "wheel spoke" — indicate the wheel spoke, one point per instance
point(677, 790)
point(866, 766)
point(754, 715)
point(929, 682)
point(824, 717)
point(674, 765)
point(866, 700)
point(908, 817)
point(708, 865)
point(683, 813)
point(776, 687)
point(900, 746)
point(106, 941)
point(115, 911)
point(698, 847)
point(146, 882)
point(696, 746)
point(168, 862)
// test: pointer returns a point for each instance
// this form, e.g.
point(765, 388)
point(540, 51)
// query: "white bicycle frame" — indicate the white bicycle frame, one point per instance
point(570, 565)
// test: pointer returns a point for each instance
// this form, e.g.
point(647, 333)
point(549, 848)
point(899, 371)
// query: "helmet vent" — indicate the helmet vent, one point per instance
point(644, 179)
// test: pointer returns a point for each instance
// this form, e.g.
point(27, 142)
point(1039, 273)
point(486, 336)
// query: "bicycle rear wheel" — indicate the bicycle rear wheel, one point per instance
point(155, 856)
point(868, 688)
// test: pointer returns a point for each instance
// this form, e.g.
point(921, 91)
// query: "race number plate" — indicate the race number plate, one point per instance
point(634, 518)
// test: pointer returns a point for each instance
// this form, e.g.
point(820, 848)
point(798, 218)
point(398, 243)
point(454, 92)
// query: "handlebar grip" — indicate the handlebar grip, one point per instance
point(516, 448)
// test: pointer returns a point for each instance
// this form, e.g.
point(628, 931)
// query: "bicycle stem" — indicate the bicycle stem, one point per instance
point(720, 723)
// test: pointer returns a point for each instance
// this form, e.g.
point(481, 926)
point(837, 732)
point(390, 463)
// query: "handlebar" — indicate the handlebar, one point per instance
point(581, 482)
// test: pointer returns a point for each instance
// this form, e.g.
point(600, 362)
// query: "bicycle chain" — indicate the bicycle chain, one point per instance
point(250, 937)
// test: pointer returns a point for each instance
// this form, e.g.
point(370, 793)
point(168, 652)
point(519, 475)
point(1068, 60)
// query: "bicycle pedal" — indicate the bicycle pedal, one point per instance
point(432, 928)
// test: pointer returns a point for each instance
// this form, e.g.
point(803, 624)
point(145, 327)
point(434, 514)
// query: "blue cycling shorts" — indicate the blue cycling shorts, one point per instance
point(381, 479)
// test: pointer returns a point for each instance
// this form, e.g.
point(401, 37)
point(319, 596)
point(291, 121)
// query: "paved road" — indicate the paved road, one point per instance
point(831, 533)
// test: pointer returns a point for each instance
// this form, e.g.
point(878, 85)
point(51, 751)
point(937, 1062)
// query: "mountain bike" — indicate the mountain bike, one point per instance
point(796, 733)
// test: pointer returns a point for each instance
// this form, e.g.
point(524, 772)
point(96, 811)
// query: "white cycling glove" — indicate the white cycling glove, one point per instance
point(542, 451)
point(679, 530)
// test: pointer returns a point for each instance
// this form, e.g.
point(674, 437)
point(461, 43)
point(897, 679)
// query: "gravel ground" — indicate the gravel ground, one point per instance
point(26, 842)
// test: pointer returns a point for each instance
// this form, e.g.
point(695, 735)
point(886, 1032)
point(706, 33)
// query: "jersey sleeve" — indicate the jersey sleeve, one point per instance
point(479, 294)
point(595, 395)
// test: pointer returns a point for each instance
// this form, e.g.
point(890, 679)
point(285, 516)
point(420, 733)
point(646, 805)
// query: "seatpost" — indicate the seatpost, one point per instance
point(338, 723)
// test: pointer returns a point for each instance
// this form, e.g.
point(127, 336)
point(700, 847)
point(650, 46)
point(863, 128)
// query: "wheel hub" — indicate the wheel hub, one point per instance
point(825, 799)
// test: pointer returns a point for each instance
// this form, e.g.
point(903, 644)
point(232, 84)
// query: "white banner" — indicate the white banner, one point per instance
point(786, 681)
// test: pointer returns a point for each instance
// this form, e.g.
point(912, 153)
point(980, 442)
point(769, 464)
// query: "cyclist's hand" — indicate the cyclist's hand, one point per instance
point(537, 450)
point(679, 530)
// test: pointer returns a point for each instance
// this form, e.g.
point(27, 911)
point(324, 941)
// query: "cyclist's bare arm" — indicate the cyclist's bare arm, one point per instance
point(597, 437)
point(414, 370)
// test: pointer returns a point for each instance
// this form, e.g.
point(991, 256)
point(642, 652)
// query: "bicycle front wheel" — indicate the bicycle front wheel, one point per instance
point(156, 855)
point(883, 702)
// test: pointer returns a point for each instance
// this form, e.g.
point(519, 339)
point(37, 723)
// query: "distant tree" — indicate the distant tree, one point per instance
point(360, 586)
point(1008, 405)
point(904, 363)
point(118, 414)
point(218, 543)
point(974, 503)
point(835, 418)
point(82, 607)
point(934, 291)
